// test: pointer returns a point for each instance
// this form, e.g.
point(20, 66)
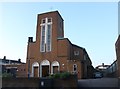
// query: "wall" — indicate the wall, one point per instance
point(62, 49)
point(40, 83)
point(117, 45)
point(18, 70)
point(20, 82)
point(21, 72)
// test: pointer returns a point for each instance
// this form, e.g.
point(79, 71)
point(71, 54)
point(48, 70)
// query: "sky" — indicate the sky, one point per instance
point(91, 25)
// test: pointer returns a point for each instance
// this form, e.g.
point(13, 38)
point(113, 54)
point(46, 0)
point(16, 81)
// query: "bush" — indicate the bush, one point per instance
point(57, 75)
point(7, 75)
point(60, 75)
point(65, 75)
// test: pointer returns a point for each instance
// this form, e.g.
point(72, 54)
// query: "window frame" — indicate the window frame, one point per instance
point(75, 66)
point(47, 47)
point(76, 53)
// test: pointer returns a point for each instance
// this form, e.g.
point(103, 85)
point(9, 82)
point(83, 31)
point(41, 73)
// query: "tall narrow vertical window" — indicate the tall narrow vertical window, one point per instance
point(46, 33)
point(75, 68)
point(48, 44)
point(42, 48)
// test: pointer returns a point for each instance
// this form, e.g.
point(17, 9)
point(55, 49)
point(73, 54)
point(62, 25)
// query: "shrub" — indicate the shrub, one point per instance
point(60, 75)
point(57, 75)
point(7, 75)
point(65, 75)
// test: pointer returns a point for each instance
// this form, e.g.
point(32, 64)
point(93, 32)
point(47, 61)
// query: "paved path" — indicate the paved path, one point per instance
point(103, 83)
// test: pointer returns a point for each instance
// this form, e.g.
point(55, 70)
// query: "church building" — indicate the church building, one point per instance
point(52, 53)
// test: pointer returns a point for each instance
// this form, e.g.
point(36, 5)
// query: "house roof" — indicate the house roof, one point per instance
point(4, 60)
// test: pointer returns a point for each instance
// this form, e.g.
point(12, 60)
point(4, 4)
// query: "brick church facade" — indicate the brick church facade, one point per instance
point(52, 53)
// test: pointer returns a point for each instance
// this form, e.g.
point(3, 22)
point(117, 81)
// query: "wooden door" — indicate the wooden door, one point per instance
point(55, 69)
point(35, 71)
point(45, 71)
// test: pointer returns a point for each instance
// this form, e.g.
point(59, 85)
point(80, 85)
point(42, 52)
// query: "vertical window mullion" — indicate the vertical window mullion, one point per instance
point(46, 35)
point(45, 30)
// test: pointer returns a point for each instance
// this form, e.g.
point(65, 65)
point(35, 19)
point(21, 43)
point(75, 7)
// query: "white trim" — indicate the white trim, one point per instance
point(74, 67)
point(41, 40)
point(44, 63)
point(46, 31)
point(11, 67)
point(76, 53)
point(55, 63)
point(35, 64)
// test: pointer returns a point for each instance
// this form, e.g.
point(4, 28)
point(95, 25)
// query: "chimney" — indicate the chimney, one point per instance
point(19, 60)
point(103, 64)
point(4, 57)
point(30, 39)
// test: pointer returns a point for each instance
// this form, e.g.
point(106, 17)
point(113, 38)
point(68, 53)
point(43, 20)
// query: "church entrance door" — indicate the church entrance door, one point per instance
point(45, 71)
point(55, 69)
point(35, 71)
point(44, 68)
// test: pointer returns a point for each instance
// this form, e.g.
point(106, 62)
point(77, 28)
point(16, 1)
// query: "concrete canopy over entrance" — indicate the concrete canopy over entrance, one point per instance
point(44, 68)
point(35, 69)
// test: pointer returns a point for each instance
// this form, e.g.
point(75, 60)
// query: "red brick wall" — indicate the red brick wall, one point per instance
point(33, 51)
point(21, 72)
point(21, 69)
point(118, 54)
point(62, 49)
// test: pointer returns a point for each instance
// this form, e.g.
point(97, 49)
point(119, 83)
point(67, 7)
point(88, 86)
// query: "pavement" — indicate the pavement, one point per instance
point(101, 83)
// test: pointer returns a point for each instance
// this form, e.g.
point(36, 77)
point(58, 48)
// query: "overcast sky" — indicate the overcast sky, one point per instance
point(91, 25)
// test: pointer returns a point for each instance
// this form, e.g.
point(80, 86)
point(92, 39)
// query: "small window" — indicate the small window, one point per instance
point(49, 20)
point(43, 20)
point(76, 53)
point(75, 68)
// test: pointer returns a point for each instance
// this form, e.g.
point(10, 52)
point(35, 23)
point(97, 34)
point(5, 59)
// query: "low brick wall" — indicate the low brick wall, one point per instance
point(68, 83)
point(31, 83)
point(39, 83)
